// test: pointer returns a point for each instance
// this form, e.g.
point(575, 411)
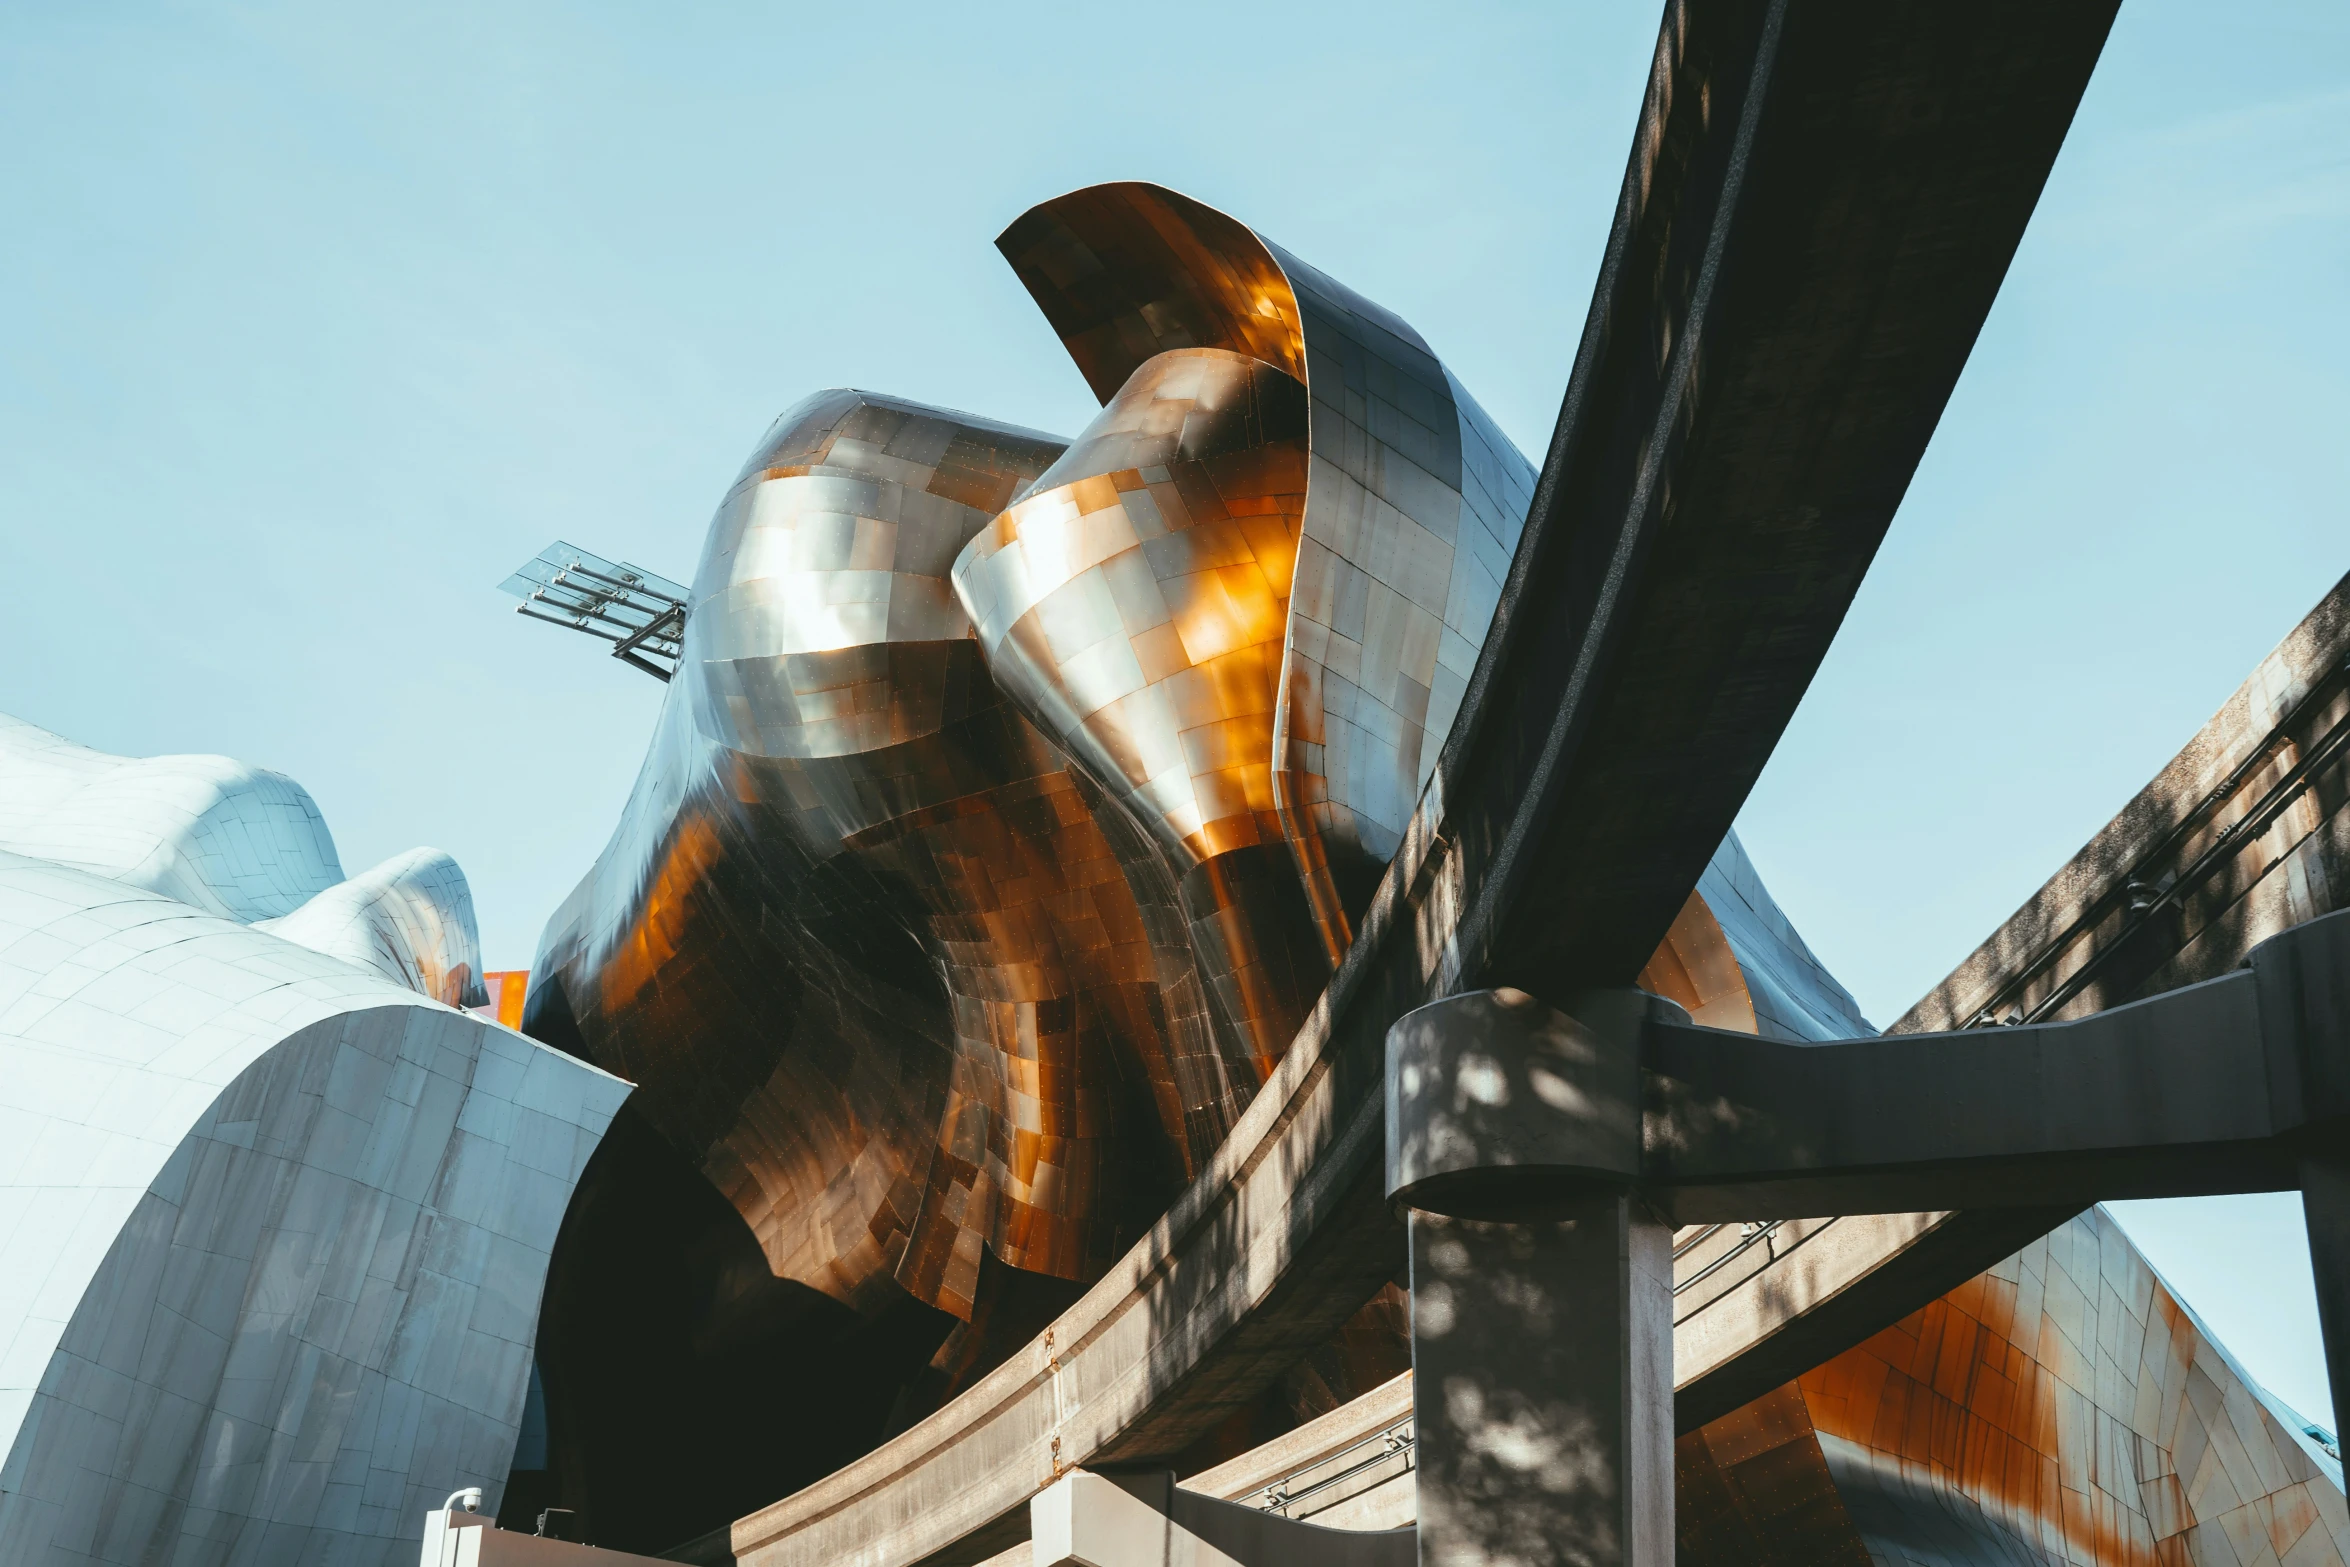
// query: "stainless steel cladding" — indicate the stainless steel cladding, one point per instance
point(1012, 803)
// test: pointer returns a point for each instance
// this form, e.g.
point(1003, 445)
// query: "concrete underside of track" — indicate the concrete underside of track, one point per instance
point(1821, 203)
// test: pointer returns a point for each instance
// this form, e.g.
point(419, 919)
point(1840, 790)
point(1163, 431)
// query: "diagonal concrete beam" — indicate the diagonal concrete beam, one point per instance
point(1145, 1520)
point(2226, 1086)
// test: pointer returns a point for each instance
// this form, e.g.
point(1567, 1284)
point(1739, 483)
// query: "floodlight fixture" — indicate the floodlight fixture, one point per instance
point(640, 613)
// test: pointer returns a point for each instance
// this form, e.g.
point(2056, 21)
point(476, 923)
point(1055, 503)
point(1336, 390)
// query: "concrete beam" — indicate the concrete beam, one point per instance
point(460, 1539)
point(2219, 1087)
point(1146, 1520)
point(1542, 1288)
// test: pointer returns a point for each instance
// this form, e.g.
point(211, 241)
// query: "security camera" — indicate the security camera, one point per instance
point(469, 1499)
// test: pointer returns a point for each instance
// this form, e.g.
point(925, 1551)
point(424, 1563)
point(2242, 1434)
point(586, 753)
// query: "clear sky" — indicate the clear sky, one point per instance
point(316, 319)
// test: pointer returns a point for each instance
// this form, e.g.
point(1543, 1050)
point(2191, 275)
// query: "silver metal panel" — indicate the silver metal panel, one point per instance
point(275, 1222)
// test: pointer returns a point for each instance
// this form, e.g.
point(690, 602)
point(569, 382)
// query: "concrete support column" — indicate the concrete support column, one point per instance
point(1542, 1288)
point(1542, 1380)
point(2325, 1209)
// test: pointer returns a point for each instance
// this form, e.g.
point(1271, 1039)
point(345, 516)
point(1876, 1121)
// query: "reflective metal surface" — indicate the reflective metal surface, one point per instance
point(277, 1217)
point(1730, 415)
point(1009, 810)
point(1413, 501)
point(1012, 803)
point(860, 936)
point(896, 959)
point(1133, 604)
point(2064, 1406)
point(901, 986)
point(1732, 960)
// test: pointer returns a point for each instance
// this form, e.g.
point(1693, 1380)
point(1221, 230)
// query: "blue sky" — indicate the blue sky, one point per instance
point(315, 319)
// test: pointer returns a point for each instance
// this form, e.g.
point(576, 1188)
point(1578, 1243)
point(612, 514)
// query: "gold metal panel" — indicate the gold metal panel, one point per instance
point(1413, 503)
point(861, 937)
point(2062, 1407)
point(1011, 804)
point(1695, 968)
point(1128, 270)
point(2070, 1402)
point(1753, 1489)
point(1132, 603)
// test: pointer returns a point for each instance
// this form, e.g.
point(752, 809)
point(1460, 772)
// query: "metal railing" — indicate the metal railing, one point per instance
point(1395, 1441)
point(2143, 893)
point(1749, 1237)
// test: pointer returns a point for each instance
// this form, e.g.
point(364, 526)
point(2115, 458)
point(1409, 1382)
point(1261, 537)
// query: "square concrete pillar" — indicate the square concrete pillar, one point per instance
point(1542, 1385)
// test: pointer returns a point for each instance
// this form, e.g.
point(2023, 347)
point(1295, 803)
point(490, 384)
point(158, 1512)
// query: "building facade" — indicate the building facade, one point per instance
point(276, 1211)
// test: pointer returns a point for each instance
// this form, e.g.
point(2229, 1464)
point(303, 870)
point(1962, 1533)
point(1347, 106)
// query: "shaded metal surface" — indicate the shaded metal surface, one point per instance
point(896, 993)
point(1753, 1488)
point(2063, 1406)
point(859, 935)
point(1732, 960)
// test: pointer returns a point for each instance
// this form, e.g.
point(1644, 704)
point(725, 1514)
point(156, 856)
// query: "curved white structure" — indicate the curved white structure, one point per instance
point(210, 832)
point(273, 1226)
point(409, 919)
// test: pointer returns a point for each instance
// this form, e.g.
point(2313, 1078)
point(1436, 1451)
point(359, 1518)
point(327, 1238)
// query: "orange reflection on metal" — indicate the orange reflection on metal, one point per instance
point(506, 988)
point(1134, 604)
point(2062, 1406)
point(899, 983)
point(1412, 507)
point(1131, 270)
point(1752, 1489)
point(1010, 801)
point(1694, 967)
point(653, 936)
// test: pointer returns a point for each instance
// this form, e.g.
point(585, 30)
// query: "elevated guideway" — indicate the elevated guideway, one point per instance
point(1820, 205)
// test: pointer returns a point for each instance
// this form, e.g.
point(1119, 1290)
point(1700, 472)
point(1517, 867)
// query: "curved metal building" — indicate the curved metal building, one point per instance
point(1012, 803)
point(277, 1215)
